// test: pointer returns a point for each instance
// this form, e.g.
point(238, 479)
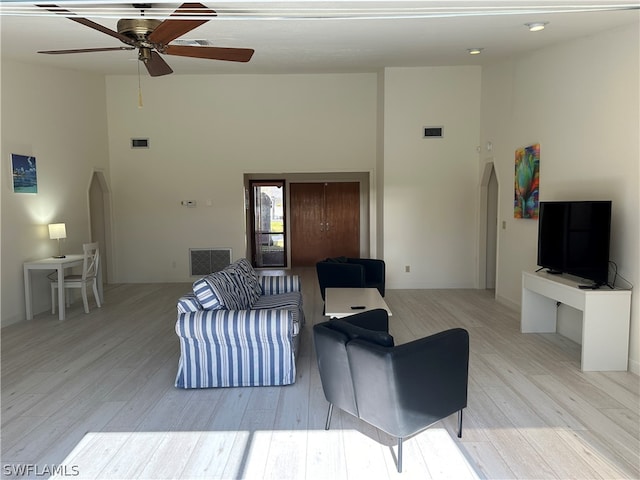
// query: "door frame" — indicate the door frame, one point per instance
point(251, 241)
point(486, 241)
point(103, 213)
point(368, 210)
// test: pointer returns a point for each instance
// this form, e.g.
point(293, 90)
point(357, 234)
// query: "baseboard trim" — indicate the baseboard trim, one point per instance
point(507, 302)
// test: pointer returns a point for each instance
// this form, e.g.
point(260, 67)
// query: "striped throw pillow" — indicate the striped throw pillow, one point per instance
point(207, 294)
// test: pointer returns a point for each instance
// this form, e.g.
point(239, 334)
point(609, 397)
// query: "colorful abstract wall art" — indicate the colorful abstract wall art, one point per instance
point(527, 182)
point(23, 170)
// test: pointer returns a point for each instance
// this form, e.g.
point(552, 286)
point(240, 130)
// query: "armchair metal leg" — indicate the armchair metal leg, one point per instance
point(460, 423)
point(328, 422)
point(399, 454)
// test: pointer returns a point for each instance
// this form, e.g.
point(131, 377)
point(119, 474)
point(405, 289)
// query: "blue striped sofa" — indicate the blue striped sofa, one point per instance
point(239, 329)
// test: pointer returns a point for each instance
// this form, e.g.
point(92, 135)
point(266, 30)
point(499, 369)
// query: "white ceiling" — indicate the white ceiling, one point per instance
point(309, 36)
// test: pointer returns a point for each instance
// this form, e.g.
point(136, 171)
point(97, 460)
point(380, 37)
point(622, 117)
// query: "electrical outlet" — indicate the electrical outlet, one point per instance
point(407, 268)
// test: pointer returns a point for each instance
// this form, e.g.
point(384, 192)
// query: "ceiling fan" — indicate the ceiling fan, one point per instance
point(152, 37)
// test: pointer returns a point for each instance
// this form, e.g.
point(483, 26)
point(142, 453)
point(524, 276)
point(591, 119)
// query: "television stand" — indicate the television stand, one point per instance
point(606, 315)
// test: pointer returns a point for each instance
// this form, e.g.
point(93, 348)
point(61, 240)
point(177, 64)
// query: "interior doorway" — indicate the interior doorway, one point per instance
point(492, 230)
point(100, 220)
point(488, 231)
point(361, 213)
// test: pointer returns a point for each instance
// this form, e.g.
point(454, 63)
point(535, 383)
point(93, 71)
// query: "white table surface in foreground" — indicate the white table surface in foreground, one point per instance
point(338, 301)
point(51, 263)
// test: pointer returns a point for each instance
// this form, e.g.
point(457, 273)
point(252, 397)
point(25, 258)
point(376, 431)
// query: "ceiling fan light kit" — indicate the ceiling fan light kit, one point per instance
point(152, 37)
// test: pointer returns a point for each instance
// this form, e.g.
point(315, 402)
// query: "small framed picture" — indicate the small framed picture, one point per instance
point(24, 174)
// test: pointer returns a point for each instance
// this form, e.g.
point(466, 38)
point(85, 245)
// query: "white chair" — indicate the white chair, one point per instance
point(88, 277)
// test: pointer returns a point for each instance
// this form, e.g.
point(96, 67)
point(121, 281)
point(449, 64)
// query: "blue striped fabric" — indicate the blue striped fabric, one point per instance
point(290, 301)
point(205, 291)
point(238, 287)
point(221, 348)
point(230, 295)
point(251, 277)
point(188, 303)
point(241, 286)
point(272, 285)
point(221, 290)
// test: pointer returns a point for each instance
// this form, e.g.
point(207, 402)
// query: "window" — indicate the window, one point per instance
point(268, 229)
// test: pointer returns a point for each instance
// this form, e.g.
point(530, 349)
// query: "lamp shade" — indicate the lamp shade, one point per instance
point(57, 231)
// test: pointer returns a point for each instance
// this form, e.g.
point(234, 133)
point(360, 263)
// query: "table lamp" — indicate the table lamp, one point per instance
point(56, 232)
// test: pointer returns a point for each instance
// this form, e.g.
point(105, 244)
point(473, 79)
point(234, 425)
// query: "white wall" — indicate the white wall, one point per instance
point(430, 185)
point(205, 133)
point(580, 101)
point(59, 117)
point(212, 130)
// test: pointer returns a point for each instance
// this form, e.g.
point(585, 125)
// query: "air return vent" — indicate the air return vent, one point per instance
point(204, 261)
point(432, 132)
point(139, 143)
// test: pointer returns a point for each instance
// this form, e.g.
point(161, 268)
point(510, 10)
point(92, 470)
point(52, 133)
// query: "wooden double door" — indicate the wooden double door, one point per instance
point(325, 221)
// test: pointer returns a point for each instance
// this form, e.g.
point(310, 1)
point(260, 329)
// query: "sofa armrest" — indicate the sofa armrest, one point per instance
point(275, 284)
point(236, 326)
point(189, 303)
point(222, 348)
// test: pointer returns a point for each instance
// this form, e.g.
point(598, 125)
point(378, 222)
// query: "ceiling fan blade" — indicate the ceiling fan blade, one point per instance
point(88, 23)
point(211, 53)
point(85, 50)
point(156, 66)
point(171, 29)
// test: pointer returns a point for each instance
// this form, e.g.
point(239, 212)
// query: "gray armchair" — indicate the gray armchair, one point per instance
point(402, 389)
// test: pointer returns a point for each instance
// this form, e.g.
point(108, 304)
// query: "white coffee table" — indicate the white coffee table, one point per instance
point(340, 302)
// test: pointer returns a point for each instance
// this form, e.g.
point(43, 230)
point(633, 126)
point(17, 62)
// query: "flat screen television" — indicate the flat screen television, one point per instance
point(573, 238)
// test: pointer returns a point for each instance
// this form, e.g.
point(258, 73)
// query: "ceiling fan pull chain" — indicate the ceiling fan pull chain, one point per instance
point(140, 105)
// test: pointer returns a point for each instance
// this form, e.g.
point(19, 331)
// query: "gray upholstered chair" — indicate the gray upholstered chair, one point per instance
point(400, 389)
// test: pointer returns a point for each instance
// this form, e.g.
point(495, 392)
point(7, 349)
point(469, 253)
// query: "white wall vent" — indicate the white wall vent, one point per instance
point(204, 261)
point(139, 143)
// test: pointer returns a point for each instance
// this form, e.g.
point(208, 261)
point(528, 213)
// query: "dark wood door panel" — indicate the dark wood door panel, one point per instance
point(307, 220)
point(325, 221)
point(342, 219)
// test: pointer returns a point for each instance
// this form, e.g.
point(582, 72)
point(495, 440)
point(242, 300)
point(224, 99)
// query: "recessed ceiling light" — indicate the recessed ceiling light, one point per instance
point(474, 51)
point(536, 26)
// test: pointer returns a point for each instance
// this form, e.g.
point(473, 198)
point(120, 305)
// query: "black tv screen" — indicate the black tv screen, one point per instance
point(573, 238)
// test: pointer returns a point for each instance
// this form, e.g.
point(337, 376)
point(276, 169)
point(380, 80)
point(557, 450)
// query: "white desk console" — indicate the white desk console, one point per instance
point(605, 317)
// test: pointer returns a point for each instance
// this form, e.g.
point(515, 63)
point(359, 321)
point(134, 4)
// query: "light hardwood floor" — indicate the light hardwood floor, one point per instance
point(95, 393)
